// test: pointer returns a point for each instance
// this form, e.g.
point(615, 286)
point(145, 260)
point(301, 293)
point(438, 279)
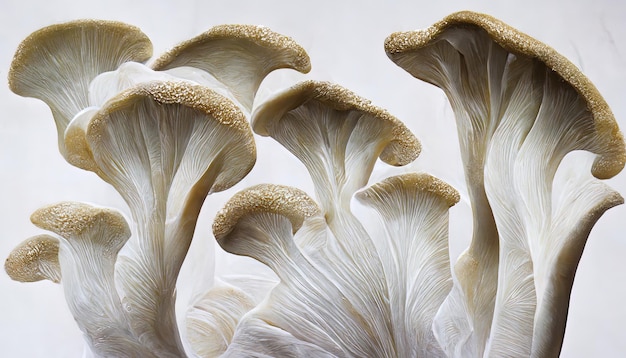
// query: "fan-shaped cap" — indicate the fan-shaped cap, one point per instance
point(403, 149)
point(290, 202)
point(35, 259)
point(198, 98)
point(57, 63)
point(611, 158)
point(239, 56)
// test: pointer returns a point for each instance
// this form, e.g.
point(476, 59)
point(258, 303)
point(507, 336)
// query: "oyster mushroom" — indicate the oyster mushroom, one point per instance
point(520, 108)
point(262, 222)
point(247, 207)
point(90, 240)
point(165, 146)
point(35, 259)
point(56, 64)
point(338, 136)
point(414, 253)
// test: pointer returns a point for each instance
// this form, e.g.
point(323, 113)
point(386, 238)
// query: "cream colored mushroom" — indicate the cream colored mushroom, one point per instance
point(91, 238)
point(413, 245)
point(520, 108)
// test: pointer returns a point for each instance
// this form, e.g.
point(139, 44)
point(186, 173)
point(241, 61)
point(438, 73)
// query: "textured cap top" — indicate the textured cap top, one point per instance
point(259, 35)
point(290, 202)
point(190, 95)
point(35, 259)
point(72, 219)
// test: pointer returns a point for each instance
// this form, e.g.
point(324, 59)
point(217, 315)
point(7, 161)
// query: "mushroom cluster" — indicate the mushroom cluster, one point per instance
point(165, 136)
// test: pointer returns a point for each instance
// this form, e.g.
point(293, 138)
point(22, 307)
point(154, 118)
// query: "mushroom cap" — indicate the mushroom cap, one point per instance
point(239, 56)
point(613, 156)
point(35, 259)
point(403, 149)
point(72, 220)
point(51, 39)
point(208, 43)
point(57, 63)
point(418, 182)
point(290, 202)
point(199, 98)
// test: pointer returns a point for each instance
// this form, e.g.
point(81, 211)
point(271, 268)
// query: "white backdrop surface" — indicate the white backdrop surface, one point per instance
point(345, 42)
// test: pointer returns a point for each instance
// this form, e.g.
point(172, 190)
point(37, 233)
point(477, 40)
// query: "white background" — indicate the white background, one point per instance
point(345, 42)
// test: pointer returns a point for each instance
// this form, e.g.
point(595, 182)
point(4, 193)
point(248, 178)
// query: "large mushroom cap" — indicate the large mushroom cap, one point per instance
point(612, 153)
point(403, 148)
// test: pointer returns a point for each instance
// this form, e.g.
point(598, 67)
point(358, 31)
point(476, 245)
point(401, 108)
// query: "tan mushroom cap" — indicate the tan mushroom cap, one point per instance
point(35, 259)
point(72, 220)
point(611, 161)
point(290, 202)
point(196, 97)
point(403, 149)
point(415, 182)
point(208, 42)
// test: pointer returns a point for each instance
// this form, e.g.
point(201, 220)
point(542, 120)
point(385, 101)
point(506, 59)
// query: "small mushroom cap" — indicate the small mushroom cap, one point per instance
point(72, 220)
point(199, 98)
point(403, 149)
point(35, 259)
point(613, 157)
point(290, 202)
point(417, 182)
